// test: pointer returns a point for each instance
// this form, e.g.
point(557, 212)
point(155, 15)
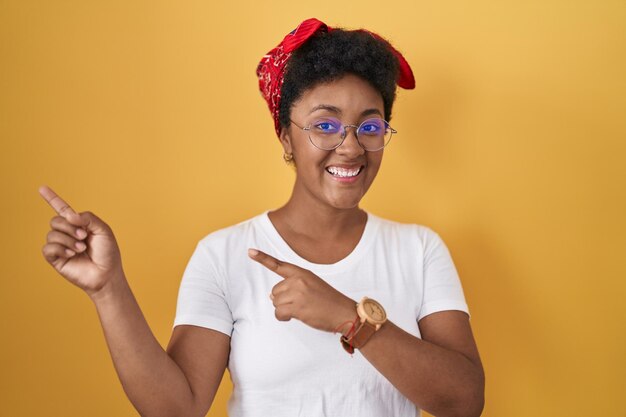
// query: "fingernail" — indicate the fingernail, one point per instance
point(70, 252)
point(80, 245)
point(81, 233)
point(253, 252)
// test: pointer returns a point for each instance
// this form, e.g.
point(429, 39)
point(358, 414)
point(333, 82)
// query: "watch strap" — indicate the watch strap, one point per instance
point(359, 337)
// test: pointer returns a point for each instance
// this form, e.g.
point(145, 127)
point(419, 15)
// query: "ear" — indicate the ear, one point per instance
point(285, 139)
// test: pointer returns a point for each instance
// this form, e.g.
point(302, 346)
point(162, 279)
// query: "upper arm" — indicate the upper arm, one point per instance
point(451, 330)
point(200, 342)
point(202, 355)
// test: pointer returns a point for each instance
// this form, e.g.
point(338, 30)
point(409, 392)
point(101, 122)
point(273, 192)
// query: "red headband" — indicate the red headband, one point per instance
point(272, 66)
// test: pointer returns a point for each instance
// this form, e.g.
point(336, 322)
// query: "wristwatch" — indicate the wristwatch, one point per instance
point(372, 316)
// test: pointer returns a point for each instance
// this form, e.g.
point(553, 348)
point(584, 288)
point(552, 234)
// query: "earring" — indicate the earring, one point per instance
point(288, 157)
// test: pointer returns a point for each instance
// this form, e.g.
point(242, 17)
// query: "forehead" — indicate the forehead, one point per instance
point(349, 94)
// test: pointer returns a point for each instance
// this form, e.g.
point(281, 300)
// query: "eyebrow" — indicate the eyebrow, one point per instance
point(338, 111)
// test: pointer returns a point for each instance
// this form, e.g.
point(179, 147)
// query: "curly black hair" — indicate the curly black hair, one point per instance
point(327, 56)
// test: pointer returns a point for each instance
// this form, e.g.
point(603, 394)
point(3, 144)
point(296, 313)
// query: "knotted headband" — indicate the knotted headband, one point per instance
point(271, 69)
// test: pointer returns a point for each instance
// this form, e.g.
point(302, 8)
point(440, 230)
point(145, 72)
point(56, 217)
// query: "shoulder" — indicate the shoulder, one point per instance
point(409, 238)
point(229, 236)
point(405, 229)
point(222, 248)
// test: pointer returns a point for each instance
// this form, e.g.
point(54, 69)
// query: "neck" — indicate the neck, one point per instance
point(309, 216)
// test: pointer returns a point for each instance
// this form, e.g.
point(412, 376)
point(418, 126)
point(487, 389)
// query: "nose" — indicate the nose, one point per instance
point(350, 147)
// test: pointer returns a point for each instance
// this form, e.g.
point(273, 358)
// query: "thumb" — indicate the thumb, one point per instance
point(89, 221)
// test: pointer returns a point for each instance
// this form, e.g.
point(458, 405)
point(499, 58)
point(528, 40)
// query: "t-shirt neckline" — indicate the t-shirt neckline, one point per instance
point(289, 255)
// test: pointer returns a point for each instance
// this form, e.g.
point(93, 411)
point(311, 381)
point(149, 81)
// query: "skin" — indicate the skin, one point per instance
point(441, 373)
point(322, 220)
point(158, 382)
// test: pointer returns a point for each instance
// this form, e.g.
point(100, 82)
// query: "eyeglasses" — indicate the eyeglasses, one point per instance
point(328, 133)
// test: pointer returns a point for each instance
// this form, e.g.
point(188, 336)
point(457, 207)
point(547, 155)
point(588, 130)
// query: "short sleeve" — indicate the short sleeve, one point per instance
point(442, 286)
point(202, 297)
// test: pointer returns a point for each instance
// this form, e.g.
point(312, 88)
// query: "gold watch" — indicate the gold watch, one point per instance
point(372, 316)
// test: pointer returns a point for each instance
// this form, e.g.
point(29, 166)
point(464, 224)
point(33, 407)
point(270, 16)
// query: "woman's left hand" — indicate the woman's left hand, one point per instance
point(304, 296)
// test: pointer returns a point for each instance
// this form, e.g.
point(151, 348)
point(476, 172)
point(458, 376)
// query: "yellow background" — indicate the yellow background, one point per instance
point(512, 147)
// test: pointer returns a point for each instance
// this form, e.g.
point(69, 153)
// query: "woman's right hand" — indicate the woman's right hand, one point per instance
point(81, 247)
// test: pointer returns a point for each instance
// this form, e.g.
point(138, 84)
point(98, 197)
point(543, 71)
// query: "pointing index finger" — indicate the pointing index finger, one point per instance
point(284, 269)
point(56, 202)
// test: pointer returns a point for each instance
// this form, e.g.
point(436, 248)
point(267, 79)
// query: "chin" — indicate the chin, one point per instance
point(344, 203)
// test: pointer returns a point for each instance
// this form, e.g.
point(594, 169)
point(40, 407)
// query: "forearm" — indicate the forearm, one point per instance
point(153, 382)
point(440, 381)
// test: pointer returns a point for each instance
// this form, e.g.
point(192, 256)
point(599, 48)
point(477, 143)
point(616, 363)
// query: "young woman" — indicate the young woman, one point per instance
point(317, 308)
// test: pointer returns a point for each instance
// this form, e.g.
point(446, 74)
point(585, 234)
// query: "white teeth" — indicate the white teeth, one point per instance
point(341, 172)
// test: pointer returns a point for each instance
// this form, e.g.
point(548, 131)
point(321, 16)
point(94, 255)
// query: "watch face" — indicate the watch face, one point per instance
point(374, 311)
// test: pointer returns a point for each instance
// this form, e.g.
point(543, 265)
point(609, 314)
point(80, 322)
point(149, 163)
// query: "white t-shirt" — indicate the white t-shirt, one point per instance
point(288, 368)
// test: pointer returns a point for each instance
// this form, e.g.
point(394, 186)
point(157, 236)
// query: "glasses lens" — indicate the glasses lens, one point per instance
point(325, 133)
point(374, 134)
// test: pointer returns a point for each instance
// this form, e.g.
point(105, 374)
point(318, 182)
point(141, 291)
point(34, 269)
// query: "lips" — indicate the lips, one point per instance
point(345, 173)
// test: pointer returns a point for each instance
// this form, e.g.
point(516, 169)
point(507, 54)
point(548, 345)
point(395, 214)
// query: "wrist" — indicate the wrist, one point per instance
point(371, 316)
point(348, 319)
point(113, 288)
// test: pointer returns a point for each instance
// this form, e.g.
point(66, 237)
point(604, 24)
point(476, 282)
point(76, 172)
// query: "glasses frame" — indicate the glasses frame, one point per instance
point(344, 134)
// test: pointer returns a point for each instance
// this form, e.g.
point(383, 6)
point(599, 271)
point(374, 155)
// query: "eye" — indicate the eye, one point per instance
point(372, 127)
point(326, 126)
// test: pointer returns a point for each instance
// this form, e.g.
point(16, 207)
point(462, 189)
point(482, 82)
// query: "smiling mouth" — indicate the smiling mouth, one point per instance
point(343, 172)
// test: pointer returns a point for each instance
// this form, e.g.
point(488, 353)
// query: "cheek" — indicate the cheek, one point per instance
point(371, 175)
point(310, 160)
point(374, 165)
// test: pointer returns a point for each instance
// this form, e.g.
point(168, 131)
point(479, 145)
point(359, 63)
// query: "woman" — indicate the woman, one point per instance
point(319, 260)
